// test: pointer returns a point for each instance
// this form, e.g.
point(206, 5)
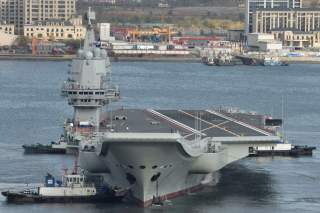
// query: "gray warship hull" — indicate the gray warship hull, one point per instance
point(169, 153)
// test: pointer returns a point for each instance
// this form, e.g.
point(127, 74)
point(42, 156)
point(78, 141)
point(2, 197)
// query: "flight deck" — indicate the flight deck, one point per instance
point(189, 123)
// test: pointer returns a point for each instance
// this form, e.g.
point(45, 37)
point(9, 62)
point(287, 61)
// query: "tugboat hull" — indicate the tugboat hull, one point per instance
point(42, 149)
point(17, 197)
point(294, 152)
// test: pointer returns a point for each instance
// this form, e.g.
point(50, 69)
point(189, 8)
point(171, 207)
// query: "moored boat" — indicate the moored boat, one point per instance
point(273, 61)
point(285, 149)
point(59, 147)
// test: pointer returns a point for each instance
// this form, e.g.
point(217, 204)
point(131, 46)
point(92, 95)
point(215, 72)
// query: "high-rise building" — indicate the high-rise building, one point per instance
point(104, 29)
point(252, 5)
point(299, 19)
point(11, 12)
point(20, 12)
point(39, 10)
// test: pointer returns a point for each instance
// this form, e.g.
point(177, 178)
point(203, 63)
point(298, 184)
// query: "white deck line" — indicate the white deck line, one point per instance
point(213, 125)
point(240, 123)
point(210, 127)
point(174, 121)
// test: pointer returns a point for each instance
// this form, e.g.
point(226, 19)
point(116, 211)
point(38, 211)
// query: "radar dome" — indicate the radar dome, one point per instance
point(89, 55)
point(80, 53)
point(96, 52)
point(103, 53)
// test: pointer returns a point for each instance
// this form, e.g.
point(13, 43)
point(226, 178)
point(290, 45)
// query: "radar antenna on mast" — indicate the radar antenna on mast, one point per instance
point(91, 15)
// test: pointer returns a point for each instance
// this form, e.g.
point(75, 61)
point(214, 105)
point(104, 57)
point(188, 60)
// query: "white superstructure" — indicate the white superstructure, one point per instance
point(73, 185)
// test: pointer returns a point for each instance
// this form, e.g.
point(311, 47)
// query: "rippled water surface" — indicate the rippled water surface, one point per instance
point(32, 111)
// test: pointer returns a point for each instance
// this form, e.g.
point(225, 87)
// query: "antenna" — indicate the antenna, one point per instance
point(75, 168)
point(111, 118)
point(90, 16)
point(196, 127)
point(200, 124)
point(283, 117)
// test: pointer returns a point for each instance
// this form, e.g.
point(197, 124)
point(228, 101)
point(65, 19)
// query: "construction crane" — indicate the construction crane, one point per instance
point(152, 34)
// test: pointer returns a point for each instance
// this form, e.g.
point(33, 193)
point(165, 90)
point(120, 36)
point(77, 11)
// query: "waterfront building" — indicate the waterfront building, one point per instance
point(55, 30)
point(253, 5)
point(263, 42)
point(297, 38)
point(7, 37)
point(6, 28)
point(39, 10)
point(11, 12)
point(20, 12)
point(104, 31)
point(301, 19)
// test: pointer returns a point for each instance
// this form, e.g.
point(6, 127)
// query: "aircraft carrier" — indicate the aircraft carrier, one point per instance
point(157, 154)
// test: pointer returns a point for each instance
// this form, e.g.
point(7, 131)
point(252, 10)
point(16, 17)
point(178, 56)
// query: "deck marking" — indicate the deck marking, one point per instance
point(173, 121)
point(214, 125)
point(240, 122)
point(210, 127)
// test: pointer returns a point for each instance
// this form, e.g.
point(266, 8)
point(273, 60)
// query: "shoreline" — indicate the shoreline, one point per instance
point(22, 57)
point(113, 59)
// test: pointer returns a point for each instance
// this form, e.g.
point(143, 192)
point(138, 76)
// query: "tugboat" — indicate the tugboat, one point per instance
point(273, 61)
point(74, 187)
point(59, 147)
point(284, 149)
point(224, 59)
point(209, 61)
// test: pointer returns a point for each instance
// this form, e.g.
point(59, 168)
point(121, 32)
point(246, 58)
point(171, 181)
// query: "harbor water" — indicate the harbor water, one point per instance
point(32, 111)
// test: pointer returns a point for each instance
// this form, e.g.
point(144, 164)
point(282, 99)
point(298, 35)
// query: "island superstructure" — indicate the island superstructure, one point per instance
point(154, 153)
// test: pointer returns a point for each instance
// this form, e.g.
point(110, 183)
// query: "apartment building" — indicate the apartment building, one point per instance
point(253, 5)
point(39, 10)
point(296, 38)
point(20, 12)
point(300, 19)
point(7, 28)
point(11, 12)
